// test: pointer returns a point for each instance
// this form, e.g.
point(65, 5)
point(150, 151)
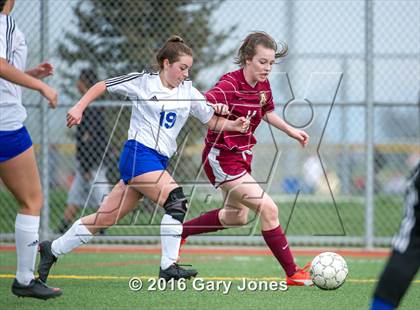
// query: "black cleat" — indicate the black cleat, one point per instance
point(176, 272)
point(36, 289)
point(47, 259)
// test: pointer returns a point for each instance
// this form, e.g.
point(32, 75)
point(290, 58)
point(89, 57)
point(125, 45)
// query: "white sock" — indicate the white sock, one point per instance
point(170, 235)
point(77, 235)
point(26, 237)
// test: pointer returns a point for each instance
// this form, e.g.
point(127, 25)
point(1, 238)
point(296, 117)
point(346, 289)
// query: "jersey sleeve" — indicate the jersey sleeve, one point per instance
point(199, 107)
point(222, 92)
point(125, 85)
point(6, 37)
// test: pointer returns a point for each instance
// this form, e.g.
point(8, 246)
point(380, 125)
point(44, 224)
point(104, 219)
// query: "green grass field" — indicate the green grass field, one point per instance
point(100, 280)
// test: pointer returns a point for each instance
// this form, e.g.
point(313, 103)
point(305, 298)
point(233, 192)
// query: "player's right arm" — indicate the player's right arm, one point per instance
point(14, 75)
point(74, 115)
point(126, 85)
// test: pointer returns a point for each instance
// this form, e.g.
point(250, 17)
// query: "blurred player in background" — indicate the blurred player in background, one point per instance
point(162, 103)
point(227, 155)
point(404, 261)
point(18, 168)
point(91, 142)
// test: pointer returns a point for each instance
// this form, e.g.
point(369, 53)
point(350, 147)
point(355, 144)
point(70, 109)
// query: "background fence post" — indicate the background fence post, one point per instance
point(44, 231)
point(369, 125)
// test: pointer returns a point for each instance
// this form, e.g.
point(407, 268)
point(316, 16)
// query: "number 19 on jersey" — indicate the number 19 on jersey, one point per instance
point(167, 119)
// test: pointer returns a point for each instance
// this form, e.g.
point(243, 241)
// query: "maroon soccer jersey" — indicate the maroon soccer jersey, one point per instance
point(243, 100)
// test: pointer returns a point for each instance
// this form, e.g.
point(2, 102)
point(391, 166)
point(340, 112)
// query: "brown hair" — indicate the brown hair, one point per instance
point(247, 49)
point(173, 48)
point(2, 3)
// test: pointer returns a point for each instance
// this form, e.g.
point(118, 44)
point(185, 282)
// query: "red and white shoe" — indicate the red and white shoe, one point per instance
point(301, 277)
point(183, 241)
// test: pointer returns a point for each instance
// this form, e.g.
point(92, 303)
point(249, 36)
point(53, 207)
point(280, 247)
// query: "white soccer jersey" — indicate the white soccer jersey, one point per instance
point(159, 113)
point(13, 49)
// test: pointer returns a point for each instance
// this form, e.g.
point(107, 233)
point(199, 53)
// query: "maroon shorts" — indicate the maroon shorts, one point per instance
point(222, 165)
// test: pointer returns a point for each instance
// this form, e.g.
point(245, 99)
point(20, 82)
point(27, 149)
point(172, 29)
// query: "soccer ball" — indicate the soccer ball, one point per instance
point(328, 271)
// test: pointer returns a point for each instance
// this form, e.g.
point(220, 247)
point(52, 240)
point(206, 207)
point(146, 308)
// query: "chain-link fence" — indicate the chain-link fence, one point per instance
point(353, 82)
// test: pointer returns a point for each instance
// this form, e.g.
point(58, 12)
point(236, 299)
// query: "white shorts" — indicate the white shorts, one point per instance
point(91, 192)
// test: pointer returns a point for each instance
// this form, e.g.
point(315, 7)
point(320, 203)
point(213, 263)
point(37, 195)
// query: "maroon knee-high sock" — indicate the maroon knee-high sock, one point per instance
point(277, 242)
point(205, 223)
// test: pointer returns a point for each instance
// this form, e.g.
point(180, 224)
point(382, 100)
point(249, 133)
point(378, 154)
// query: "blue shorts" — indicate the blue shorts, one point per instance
point(13, 143)
point(137, 159)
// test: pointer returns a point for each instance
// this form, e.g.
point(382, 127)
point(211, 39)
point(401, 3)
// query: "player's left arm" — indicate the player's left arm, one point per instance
point(273, 119)
point(41, 71)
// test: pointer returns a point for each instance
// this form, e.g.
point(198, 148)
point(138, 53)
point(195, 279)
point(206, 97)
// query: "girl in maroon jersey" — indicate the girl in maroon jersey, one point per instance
point(227, 155)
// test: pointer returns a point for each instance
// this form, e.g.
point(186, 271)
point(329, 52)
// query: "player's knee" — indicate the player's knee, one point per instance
point(269, 213)
point(32, 203)
point(176, 204)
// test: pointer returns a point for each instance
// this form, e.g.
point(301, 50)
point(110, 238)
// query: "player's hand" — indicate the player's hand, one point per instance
point(241, 124)
point(74, 116)
point(42, 70)
point(220, 108)
point(300, 135)
point(50, 94)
